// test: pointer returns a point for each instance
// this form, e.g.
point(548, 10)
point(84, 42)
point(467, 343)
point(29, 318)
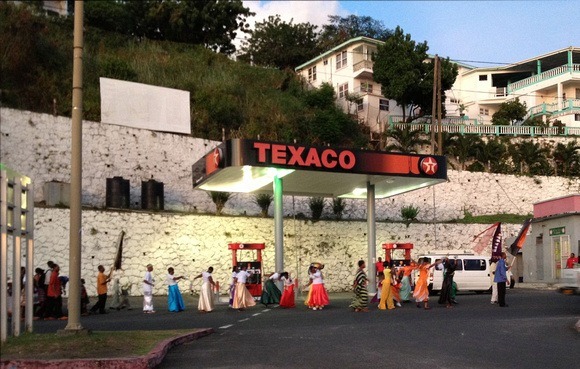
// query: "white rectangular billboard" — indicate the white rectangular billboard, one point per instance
point(144, 106)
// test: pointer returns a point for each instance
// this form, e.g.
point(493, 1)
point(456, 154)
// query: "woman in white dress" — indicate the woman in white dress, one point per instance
point(148, 283)
point(206, 304)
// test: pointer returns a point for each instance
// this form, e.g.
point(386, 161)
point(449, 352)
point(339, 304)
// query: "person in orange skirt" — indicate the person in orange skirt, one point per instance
point(317, 296)
point(421, 292)
point(287, 299)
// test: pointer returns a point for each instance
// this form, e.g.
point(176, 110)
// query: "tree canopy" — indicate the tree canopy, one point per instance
point(211, 23)
point(401, 67)
point(509, 112)
point(275, 43)
point(340, 29)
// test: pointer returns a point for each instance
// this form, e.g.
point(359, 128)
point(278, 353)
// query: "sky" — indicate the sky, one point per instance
point(479, 33)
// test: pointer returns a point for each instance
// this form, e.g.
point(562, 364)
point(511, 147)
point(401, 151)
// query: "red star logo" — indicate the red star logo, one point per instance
point(429, 166)
point(216, 157)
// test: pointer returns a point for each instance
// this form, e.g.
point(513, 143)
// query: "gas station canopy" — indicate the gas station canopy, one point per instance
point(240, 165)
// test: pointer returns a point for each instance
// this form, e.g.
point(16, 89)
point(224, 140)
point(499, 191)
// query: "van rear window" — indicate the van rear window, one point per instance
point(474, 264)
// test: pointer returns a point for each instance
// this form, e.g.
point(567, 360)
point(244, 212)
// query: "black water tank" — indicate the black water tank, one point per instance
point(118, 193)
point(152, 195)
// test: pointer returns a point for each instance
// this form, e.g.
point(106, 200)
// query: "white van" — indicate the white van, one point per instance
point(471, 273)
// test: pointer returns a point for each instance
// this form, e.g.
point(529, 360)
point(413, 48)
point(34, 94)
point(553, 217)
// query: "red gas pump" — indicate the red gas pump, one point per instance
point(390, 248)
point(254, 282)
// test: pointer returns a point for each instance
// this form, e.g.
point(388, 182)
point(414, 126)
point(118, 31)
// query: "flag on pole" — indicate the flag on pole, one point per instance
point(518, 243)
point(483, 239)
point(119, 254)
point(496, 243)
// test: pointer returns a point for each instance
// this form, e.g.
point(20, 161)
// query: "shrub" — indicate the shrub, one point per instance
point(338, 206)
point(316, 205)
point(409, 214)
point(219, 199)
point(263, 200)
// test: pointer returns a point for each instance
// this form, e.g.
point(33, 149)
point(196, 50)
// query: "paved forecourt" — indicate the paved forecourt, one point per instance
point(535, 331)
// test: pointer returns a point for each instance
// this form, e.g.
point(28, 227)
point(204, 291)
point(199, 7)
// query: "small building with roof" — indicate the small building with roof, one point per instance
point(554, 236)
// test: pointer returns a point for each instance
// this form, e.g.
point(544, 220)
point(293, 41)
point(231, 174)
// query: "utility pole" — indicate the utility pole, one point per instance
point(440, 133)
point(434, 105)
point(74, 297)
point(436, 108)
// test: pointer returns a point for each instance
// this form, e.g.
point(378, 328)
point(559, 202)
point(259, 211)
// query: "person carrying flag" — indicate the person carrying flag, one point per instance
point(501, 279)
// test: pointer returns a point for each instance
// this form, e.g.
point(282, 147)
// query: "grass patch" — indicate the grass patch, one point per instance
point(486, 219)
point(102, 344)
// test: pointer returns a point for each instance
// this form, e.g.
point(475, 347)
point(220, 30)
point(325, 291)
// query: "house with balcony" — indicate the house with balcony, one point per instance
point(348, 67)
point(549, 85)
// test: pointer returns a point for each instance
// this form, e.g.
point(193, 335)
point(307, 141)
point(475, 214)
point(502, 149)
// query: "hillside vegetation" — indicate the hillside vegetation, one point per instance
point(245, 101)
point(228, 97)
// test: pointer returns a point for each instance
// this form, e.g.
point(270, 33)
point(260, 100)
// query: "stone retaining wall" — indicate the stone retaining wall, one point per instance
point(188, 238)
point(191, 243)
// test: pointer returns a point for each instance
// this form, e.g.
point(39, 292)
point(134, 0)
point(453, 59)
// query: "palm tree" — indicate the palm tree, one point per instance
point(462, 147)
point(338, 206)
point(406, 140)
point(263, 200)
point(531, 158)
point(219, 199)
point(567, 158)
point(491, 154)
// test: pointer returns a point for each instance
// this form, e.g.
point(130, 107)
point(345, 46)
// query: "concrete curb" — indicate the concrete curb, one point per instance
point(151, 360)
point(535, 286)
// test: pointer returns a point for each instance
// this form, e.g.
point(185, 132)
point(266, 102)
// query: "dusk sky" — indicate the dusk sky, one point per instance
point(496, 32)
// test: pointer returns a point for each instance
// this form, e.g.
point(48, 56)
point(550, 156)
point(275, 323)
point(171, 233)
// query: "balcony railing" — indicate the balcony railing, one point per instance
point(543, 76)
point(568, 106)
point(482, 129)
point(364, 64)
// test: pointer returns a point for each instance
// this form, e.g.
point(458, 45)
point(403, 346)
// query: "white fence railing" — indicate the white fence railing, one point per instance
point(543, 76)
point(484, 129)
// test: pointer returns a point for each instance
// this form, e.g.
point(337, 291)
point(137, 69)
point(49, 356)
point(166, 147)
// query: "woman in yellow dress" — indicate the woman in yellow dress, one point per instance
point(386, 290)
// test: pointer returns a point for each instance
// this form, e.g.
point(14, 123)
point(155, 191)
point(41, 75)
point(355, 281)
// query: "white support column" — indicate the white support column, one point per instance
point(17, 257)
point(3, 255)
point(371, 238)
point(29, 257)
point(278, 224)
point(560, 95)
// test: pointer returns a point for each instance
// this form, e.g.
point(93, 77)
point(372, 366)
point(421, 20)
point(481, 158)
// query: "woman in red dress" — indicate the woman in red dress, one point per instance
point(287, 299)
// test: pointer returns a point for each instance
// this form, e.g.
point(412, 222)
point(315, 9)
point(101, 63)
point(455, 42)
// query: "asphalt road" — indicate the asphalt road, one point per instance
point(535, 331)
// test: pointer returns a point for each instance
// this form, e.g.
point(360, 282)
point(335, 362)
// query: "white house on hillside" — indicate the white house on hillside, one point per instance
point(349, 69)
point(549, 85)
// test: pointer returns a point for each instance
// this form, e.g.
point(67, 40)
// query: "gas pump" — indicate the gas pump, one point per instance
point(390, 249)
point(250, 255)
